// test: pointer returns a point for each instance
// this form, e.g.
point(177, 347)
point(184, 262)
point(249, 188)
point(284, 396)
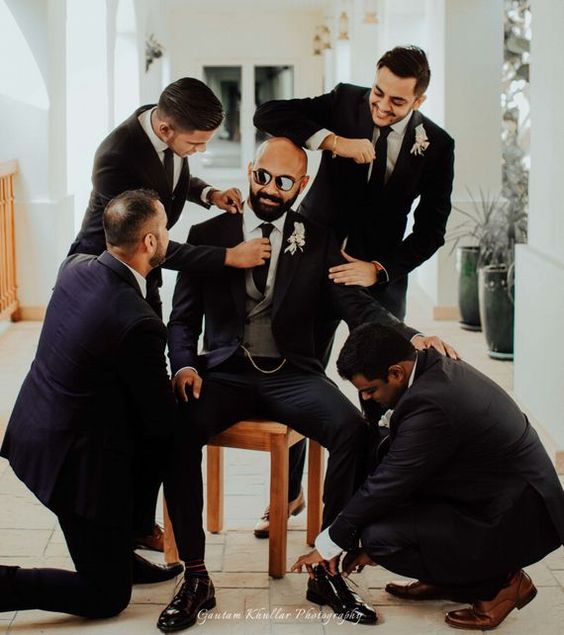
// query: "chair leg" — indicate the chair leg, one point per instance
point(170, 550)
point(278, 506)
point(314, 491)
point(215, 489)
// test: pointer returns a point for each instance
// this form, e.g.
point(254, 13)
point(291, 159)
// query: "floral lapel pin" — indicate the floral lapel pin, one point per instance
point(421, 141)
point(297, 239)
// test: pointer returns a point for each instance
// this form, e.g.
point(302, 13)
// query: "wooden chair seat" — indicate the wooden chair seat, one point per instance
point(266, 436)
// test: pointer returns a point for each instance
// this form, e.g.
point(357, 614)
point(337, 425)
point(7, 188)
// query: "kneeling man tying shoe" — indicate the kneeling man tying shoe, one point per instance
point(465, 495)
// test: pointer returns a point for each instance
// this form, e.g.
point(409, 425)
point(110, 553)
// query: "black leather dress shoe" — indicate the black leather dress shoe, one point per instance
point(145, 572)
point(195, 595)
point(334, 591)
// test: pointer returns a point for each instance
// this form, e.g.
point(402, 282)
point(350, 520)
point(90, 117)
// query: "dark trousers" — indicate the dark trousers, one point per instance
point(100, 586)
point(400, 542)
point(308, 402)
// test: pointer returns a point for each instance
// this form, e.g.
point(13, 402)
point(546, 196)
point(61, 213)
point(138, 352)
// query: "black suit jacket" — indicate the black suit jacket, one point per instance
point(340, 196)
point(301, 288)
point(127, 160)
point(461, 454)
point(98, 381)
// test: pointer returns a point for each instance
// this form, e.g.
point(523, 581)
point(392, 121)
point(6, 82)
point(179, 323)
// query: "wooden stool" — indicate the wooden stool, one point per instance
point(276, 438)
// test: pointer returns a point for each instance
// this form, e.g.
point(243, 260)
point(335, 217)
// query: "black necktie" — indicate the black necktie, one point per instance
point(378, 176)
point(169, 168)
point(260, 272)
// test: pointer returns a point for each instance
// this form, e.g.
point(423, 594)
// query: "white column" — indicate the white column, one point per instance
point(466, 57)
point(539, 306)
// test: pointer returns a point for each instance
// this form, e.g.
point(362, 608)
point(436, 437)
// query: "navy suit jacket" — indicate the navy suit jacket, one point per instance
point(98, 380)
point(126, 160)
point(340, 197)
point(301, 290)
point(461, 455)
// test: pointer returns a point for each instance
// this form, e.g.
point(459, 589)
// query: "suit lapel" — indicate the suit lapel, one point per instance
point(365, 127)
point(231, 234)
point(288, 263)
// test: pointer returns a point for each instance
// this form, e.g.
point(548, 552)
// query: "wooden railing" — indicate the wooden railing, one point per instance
point(9, 305)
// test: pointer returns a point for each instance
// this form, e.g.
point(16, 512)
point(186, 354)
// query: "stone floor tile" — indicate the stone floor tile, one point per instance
point(555, 560)
point(541, 575)
point(237, 580)
point(24, 513)
point(243, 552)
point(23, 542)
point(305, 629)
point(160, 594)
point(544, 615)
point(215, 557)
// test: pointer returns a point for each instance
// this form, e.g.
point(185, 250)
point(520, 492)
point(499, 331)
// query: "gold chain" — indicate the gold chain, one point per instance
point(265, 372)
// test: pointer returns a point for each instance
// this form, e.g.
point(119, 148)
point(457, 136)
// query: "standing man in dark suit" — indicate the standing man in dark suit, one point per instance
point(260, 360)
point(465, 496)
point(150, 150)
point(98, 387)
point(380, 154)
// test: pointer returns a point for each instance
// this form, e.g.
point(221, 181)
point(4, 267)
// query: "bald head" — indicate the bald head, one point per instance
point(276, 177)
point(285, 154)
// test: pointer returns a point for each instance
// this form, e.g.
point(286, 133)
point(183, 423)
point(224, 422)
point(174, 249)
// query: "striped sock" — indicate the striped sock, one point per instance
point(196, 568)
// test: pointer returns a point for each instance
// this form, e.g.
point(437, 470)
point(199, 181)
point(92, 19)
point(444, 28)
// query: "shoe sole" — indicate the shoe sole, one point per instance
point(210, 604)
point(311, 596)
point(265, 534)
point(524, 603)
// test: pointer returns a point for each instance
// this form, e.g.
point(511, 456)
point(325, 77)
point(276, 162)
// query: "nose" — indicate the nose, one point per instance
point(270, 188)
point(202, 147)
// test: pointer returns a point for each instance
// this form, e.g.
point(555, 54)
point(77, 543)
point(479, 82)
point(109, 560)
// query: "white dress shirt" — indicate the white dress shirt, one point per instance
point(160, 147)
point(323, 543)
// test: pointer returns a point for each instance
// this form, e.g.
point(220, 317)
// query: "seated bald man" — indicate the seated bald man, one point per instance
point(259, 360)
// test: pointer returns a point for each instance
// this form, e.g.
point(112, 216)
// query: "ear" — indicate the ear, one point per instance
point(250, 169)
point(396, 373)
point(419, 101)
point(149, 242)
point(305, 181)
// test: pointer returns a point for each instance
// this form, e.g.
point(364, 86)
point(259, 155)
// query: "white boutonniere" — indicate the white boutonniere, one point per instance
point(421, 141)
point(297, 239)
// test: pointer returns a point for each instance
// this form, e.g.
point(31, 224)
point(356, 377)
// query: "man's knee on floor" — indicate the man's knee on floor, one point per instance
point(104, 603)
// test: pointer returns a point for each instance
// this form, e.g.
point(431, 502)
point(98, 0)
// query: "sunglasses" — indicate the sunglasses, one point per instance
point(284, 183)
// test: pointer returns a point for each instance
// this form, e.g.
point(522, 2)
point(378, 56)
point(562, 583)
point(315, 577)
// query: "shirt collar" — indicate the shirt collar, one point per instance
point(140, 279)
point(251, 221)
point(145, 121)
point(401, 125)
point(412, 376)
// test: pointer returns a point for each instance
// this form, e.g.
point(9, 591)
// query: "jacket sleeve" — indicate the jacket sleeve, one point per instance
point(430, 216)
point(425, 441)
point(297, 119)
point(141, 364)
point(195, 189)
point(194, 258)
point(354, 304)
point(186, 319)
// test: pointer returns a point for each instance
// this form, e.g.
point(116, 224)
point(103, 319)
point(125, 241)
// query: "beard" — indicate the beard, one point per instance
point(158, 257)
point(267, 212)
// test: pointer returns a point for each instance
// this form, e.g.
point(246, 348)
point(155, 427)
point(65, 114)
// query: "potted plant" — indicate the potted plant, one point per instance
point(496, 279)
point(476, 229)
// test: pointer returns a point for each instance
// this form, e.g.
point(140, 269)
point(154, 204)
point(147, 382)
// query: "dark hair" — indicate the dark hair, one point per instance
point(371, 349)
point(126, 215)
point(190, 105)
point(408, 61)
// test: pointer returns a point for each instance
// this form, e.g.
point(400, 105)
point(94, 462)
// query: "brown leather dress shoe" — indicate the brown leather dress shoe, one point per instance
point(262, 527)
point(154, 541)
point(483, 616)
point(416, 590)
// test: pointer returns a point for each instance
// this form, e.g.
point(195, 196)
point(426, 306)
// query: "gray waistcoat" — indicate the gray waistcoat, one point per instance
point(257, 334)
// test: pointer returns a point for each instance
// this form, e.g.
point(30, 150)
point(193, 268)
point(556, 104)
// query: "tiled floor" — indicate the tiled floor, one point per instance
point(248, 601)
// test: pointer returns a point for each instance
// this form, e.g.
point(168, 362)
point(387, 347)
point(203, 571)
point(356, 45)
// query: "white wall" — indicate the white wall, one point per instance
point(539, 346)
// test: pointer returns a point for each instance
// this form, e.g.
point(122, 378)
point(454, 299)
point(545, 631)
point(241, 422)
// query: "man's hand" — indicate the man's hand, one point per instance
point(355, 271)
point(432, 341)
point(308, 560)
point(359, 150)
point(355, 561)
point(248, 254)
point(229, 200)
point(187, 381)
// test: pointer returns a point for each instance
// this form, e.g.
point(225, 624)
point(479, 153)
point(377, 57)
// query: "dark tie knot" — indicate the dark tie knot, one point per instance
point(266, 229)
point(384, 132)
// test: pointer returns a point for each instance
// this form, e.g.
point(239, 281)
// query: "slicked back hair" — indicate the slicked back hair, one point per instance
point(188, 104)
point(408, 61)
point(371, 349)
point(126, 216)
